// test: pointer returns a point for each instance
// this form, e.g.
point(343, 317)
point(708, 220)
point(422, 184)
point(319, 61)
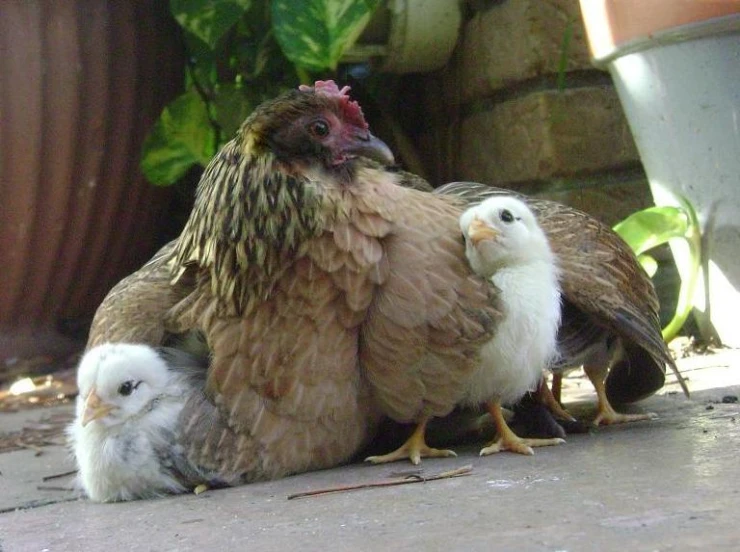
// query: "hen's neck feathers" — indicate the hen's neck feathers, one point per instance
point(251, 212)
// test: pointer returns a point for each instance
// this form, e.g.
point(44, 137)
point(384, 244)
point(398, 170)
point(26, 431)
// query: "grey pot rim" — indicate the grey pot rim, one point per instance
point(726, 24)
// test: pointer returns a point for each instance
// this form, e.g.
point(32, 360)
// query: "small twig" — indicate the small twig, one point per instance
point(415, 478)
point(58, 475)
point(38, 450)
point(52, 488)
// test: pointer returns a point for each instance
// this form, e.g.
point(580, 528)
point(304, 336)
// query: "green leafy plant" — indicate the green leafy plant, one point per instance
point(241, 52)
point(655, 226)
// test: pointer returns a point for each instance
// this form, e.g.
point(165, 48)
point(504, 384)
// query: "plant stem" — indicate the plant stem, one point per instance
point(303, 75)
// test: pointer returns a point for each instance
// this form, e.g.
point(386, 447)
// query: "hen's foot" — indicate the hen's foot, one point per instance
point(508, 440)
point(519, 445)
point(553, 405)
point(414, 449)
point(608, 416)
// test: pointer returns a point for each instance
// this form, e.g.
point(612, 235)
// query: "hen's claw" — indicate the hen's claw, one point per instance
point(548, 399)
point(508, 440)
point(414, 449)
point(519, 445)
point(608, 416)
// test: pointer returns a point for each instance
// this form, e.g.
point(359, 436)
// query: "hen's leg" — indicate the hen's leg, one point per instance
point(415, 448)
point(508, 440)
point(606, 413)
point(553, 404)
point(557, 386)
point(596, 369)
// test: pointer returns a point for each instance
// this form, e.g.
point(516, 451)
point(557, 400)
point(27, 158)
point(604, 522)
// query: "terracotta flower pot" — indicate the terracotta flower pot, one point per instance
point(81, 82)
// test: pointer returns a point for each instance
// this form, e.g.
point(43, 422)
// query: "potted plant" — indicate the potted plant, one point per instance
point(82, 82)
point(675, 66)
point(242, 52)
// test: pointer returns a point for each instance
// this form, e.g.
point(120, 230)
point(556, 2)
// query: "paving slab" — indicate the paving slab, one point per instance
point(668, 484)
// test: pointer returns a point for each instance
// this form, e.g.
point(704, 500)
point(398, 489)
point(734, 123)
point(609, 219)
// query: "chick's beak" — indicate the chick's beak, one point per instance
point(479, 231)
point(367, 145)
point(95, 408)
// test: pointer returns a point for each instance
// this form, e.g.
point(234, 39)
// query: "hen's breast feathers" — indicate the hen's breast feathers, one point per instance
point(422, 335)
point(384, 289)
point(285, 372)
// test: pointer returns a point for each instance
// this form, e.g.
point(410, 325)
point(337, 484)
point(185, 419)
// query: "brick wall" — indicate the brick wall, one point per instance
point(495, 114)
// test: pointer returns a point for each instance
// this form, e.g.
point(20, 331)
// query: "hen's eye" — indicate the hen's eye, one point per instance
point(319, 128)
point(506, 216)
point(127, 387)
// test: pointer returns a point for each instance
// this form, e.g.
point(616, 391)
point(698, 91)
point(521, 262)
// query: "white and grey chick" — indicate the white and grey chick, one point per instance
point(127, 434)
point(503, 242)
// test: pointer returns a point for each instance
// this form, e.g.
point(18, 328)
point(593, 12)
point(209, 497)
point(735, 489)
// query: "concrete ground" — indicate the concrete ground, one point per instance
point(672, 483)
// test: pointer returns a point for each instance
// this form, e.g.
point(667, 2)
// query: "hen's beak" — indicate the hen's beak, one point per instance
point(367, 145)
point(479, 231)
point(95, 408)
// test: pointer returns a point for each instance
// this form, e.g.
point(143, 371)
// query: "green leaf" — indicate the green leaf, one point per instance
point(648, 263)
point(182, 137)
point(655, 226)
point(232, 106)
point(314, 33)
point(202, 63)
point(652, 227)
point(209, 20)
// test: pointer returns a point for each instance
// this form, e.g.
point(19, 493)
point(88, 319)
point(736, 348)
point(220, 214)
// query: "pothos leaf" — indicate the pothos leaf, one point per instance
point(233, 104)
point(648, 264)
point(655, 226)
point(209, 20)
point(181, 137)
point(652, 227)
point(314, 33)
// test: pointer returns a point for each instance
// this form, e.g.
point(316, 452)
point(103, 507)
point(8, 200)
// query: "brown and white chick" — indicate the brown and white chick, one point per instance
point(505, 244)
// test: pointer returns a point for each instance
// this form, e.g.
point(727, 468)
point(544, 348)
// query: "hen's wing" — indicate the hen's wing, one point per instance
point(134, 310)
point(604, 290)
point(429, 319)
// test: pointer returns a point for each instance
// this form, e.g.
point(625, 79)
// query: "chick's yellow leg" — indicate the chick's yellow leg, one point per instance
point(606, 414)
point(508, 440)
point(415, 448)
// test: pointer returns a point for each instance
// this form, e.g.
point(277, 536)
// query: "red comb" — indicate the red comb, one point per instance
point(352, 110)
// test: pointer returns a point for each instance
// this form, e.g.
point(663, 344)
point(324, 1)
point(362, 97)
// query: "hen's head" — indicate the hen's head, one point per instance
point(263, 194)
point(317, 123)
point(120, 382)
point(502, 231)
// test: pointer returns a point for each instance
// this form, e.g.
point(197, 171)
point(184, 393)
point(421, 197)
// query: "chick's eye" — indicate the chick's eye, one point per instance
point(319, 128)
point(127, 387)
point(506, 216)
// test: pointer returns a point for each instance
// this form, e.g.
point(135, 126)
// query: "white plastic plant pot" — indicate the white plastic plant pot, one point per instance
point(409, 36)
point(680, 90)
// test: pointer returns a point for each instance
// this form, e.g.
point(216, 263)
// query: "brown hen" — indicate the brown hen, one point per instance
point(327, 293)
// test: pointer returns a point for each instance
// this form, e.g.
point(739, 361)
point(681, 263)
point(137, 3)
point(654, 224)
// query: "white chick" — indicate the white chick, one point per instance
point(125, 437)
point(503, 242)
